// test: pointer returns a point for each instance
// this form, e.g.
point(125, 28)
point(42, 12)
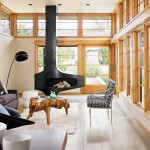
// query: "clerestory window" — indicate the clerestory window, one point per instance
point(96, 25)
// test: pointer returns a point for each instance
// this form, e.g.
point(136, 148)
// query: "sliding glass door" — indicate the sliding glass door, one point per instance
point(96, 67)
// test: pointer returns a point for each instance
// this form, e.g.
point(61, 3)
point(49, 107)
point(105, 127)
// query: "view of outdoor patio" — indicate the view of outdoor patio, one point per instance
point(97, 65)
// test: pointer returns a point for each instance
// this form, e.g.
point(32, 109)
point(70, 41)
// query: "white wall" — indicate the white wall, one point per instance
point(24, 71)
point(6, 57)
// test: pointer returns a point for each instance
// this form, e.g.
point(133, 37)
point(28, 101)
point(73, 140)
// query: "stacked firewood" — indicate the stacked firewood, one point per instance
point(63, 84)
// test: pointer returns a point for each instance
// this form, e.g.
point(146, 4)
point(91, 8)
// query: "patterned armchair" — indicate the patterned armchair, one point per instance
point(104, 101)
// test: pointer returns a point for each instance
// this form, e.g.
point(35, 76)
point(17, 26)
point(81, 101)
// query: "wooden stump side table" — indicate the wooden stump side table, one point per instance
point(37, 104)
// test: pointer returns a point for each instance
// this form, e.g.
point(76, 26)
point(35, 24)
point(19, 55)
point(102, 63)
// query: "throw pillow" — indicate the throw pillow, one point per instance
point(2, 91)
point(3, 110)
point(5, 89)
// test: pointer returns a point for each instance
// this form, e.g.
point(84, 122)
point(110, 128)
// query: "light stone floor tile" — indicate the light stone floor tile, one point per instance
point(93, 148)
point(74, 147)
point(123, 134)
point(111, 145)
point(134, 147)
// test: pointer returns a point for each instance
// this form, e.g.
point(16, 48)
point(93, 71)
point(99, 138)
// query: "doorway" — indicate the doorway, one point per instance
point(96, 67)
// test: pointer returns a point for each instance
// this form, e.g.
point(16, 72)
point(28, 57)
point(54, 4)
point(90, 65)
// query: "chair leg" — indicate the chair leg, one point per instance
point(111, 116)
point(90, 115)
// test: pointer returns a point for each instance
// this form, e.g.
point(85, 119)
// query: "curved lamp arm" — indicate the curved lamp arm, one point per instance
point(19, 56)
point(9, 72)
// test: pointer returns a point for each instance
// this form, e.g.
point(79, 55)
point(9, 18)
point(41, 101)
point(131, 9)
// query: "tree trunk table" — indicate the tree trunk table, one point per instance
point(37, 104)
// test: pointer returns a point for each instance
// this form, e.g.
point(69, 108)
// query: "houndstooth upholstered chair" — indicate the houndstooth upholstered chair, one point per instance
point(104, 101)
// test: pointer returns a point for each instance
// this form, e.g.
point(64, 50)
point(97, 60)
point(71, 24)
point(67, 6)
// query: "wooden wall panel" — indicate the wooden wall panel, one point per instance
point(120, 65)
point(128, 65)
point(80, 30)
point(120, 14)
point(35, 25)
point(146, 3)
point(141, 18)
point(113, 24)
point(135, 67)
point(134, 7)
point(110, 64)
point(113, 65)
point(12, 25)
point(146, 69)
point(127, 11)
point(79, 41)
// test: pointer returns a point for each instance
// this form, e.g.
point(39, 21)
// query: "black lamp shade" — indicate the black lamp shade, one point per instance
point(21, 56)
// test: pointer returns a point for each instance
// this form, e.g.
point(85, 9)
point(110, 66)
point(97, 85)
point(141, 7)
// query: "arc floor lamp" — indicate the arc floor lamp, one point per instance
point(19, 56)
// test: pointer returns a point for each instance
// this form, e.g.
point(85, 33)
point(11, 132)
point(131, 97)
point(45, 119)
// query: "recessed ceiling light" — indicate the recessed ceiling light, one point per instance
point(59, 4)
point(87, 4)
point(30, 4)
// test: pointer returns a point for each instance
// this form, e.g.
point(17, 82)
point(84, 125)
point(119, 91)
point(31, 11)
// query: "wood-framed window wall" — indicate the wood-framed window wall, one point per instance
point(124, 13)
point(141, 66)
point(24, 25)
point(140, 6)
point(147, 47)
point(117, 22)
point(130, 10)
point(41, 25)
point(5, 20)
point(67, 59)
point(130, 67)
point(68, 25)
point(117, 67)
point(125, 65)
point(97, 25)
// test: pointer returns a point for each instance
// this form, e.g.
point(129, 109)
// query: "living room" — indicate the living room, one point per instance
point(93, 41)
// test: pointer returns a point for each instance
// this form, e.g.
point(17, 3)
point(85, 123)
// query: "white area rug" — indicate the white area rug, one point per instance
point(58, 119)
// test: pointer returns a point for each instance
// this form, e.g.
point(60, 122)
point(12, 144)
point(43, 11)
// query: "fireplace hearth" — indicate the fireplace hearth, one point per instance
point(46, 80)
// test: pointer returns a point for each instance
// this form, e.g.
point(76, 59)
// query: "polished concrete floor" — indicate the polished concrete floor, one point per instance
point(124, 134)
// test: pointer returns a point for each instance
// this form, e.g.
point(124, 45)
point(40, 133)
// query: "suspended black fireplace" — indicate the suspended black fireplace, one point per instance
point(47, 79)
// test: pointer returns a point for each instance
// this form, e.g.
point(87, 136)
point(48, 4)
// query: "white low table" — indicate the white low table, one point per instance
point(27, 96)
point(44, 139)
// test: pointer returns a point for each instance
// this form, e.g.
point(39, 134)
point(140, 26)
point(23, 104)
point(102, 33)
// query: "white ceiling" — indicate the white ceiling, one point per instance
point(67, 6)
